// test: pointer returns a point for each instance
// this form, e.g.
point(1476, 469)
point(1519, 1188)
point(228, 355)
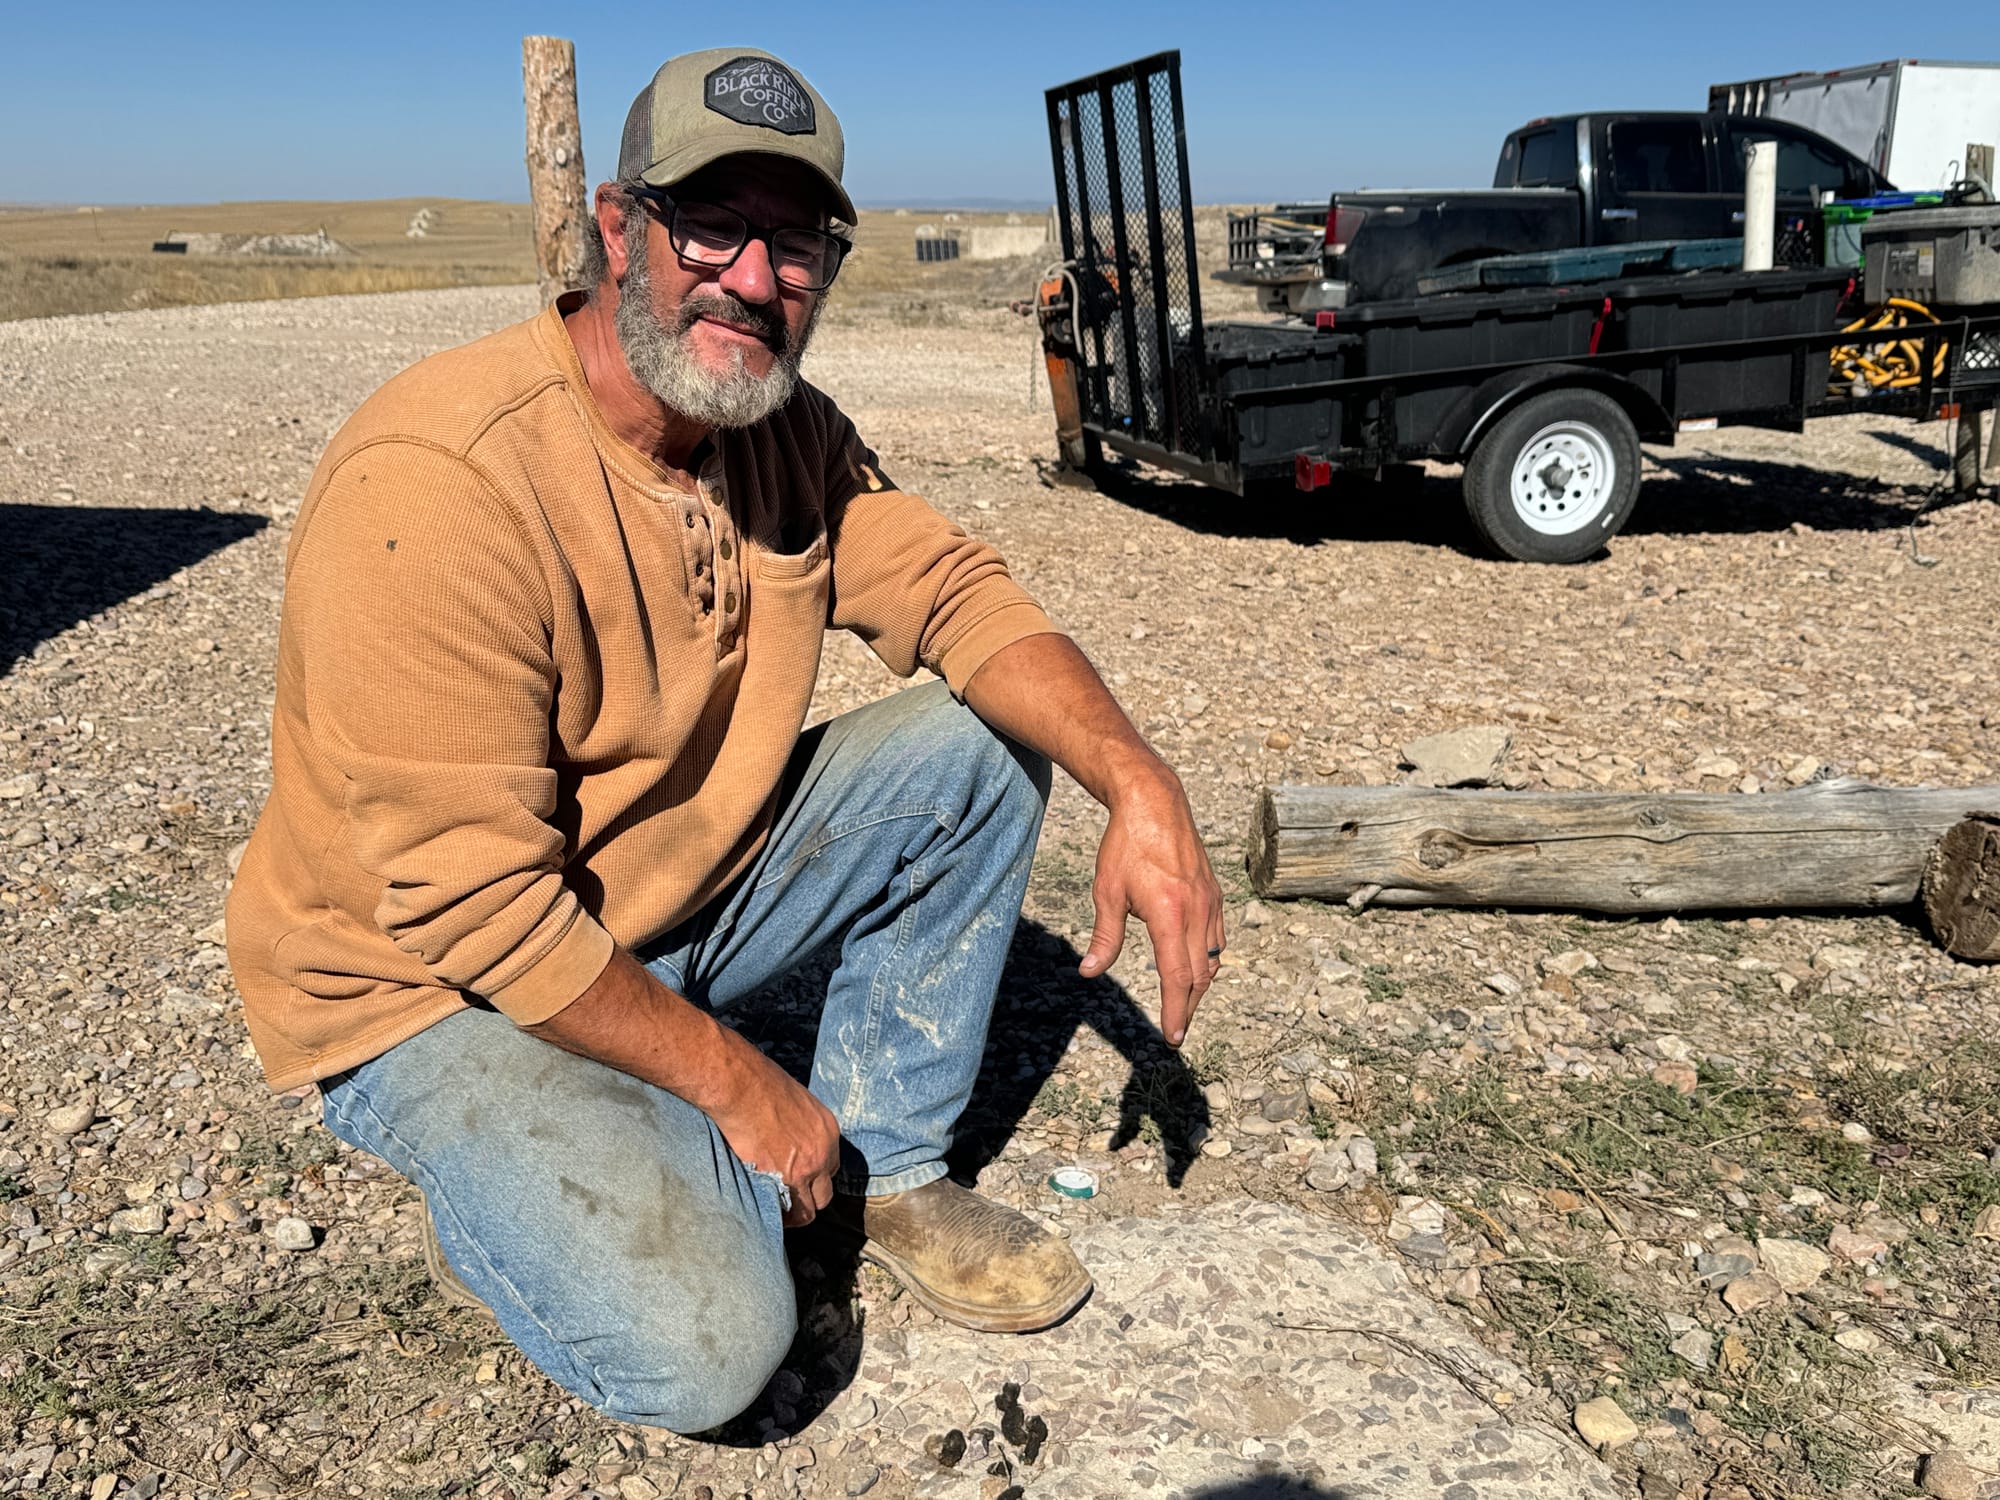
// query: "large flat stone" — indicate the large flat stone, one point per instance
point(1221, 1347)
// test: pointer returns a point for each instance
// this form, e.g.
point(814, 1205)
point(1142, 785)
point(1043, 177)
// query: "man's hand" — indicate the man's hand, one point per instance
point(1043, 691)
point(1152, 864)
point(628, 1020)
point(774, 1125)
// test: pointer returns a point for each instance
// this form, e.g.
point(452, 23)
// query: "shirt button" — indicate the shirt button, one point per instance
point(690, 519)
point(724, 548)
point(729, 602)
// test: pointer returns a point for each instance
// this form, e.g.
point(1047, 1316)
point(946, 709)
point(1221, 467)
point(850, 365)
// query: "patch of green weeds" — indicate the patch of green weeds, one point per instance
point(1790, 1382)
point(1629, 1145)
point(290, 1152)
point(1209, 1061)
point(1058, 1098)
point(117, 1347)
point(1162, 1104)
point(1713, 936)
point(1380, 984)
point(152, 1255)
point(124, 898)
point(11, 1187)
point(540, 1461)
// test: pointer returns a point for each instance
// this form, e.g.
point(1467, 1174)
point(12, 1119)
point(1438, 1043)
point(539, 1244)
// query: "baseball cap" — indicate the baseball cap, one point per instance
point(702, 106)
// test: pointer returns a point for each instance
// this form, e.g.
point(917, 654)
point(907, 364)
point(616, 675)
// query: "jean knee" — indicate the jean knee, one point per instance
point(993, 763)
point(688, 1379)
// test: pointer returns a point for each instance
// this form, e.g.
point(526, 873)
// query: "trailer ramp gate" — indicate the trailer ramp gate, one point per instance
point(1119, 140)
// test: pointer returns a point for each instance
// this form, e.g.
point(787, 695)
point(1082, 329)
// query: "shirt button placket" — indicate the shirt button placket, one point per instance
point(726, 582)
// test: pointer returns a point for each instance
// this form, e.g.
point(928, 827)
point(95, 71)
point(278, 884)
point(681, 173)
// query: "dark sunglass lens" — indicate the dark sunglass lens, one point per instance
point(805, 257)
point(706, 231)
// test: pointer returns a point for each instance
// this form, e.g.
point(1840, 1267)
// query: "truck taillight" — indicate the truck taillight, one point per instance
point(1340, 226)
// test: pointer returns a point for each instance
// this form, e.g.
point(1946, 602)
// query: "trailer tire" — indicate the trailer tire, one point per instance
point(1555, 478)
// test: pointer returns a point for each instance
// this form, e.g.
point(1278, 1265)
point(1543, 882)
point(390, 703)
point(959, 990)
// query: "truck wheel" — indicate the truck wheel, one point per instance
point(1555, 478)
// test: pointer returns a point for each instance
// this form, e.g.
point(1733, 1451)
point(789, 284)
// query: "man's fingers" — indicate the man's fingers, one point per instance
point(1107, 937)
point(1170, 953)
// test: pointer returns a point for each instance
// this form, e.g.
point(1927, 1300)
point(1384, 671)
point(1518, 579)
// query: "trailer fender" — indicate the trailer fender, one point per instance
point(1474, 415)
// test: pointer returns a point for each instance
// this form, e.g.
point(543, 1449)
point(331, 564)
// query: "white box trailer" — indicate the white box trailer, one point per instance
point(1910, 120)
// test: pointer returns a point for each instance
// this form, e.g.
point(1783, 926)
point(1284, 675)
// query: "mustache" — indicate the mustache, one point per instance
point(767, 322)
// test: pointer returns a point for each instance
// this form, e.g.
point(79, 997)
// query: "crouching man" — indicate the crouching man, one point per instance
point(543, 817)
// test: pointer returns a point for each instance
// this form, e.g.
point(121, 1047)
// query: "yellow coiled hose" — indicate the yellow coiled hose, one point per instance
point(1894, 364)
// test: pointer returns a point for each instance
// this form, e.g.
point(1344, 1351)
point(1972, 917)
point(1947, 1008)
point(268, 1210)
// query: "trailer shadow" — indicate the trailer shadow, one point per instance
point(1354, 508)
point(1683, 495)
point(63, 563)
point(1929, 453)
point(1735, 496)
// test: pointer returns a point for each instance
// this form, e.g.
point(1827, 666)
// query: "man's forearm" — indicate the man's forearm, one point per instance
point(1043, 692)
point(630, 1021)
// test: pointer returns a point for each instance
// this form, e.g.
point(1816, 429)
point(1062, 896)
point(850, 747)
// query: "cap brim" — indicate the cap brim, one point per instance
point(690, 159)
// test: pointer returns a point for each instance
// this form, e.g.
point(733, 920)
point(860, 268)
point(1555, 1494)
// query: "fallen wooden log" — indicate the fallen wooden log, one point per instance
point(1834, 844)
point(1962, 887)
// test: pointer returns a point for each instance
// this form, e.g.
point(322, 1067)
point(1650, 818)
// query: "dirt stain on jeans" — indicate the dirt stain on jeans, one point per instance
point(577, 1192)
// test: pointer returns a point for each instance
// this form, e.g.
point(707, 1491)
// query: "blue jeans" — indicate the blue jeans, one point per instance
point(607, 1224)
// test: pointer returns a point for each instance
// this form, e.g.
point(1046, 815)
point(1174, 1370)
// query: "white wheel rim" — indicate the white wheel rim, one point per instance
point(1564, 478)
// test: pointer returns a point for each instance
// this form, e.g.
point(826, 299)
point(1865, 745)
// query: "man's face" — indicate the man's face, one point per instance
point(719, 346)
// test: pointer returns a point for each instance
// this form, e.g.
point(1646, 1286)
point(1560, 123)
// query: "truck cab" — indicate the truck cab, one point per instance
point(1672, 176)
point(1564, 182)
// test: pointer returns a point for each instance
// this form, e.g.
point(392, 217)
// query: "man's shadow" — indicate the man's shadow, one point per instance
point(1041, 1005)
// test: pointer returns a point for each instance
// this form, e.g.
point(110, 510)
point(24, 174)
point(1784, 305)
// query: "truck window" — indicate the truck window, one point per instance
point(1548, 159)
point(1805, 168)
point(1658, 156)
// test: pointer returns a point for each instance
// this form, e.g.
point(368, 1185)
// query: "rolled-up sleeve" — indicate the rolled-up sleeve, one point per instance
point(423, 620)
point(909, 582)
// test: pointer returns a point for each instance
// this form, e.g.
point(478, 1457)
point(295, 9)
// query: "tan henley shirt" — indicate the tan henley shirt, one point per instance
point(533, 700)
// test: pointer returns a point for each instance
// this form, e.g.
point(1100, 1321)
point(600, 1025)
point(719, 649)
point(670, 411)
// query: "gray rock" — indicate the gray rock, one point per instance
point(1242, 1288)
point(1362, 1157)
point(1459, 757)
point(863, 1479)
point(68, 1119)
point(1719, 1268)
point(292, 1234)
point(1329, 1172)
point(147, 1218)
point(1696, 1346)
point(1281, 1107)
point(1795, 1264)
point(1425, 1249)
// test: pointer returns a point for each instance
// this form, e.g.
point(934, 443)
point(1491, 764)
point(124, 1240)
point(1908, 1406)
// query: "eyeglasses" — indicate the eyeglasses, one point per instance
point(709, 235)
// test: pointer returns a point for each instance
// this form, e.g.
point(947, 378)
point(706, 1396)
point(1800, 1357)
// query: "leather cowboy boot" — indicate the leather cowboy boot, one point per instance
point(967, 1259)
point(443, 1278)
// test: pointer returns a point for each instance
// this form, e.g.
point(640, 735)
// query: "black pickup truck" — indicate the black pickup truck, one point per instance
point(1562, 183)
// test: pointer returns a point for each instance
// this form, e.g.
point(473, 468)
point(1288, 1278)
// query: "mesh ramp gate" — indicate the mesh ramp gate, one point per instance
point(1119, 141)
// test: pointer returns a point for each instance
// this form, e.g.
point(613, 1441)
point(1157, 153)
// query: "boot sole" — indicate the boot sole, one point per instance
point(976, 1316)
point(444, 1280)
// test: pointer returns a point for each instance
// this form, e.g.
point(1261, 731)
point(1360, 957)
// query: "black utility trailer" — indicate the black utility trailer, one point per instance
point(1543, 393)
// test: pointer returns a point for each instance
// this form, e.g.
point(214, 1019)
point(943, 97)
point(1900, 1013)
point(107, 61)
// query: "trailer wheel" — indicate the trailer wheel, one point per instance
point(1555, 478)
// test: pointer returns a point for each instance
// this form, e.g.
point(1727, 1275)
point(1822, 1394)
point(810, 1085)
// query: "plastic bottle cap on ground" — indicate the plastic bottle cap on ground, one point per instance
point(1074, 1182)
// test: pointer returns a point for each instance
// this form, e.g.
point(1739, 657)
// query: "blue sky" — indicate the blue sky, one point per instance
point(122, 102)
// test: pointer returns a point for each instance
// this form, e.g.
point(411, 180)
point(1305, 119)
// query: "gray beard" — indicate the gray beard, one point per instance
point(657, 352)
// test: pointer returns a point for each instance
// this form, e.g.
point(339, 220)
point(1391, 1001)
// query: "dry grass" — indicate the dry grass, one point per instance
point(89, 260)
point(101, 260)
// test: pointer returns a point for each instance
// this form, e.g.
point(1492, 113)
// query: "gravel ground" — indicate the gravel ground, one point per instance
point(1718, 1193)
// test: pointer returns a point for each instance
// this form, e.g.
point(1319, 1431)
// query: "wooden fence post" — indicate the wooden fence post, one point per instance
point(555, 161)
